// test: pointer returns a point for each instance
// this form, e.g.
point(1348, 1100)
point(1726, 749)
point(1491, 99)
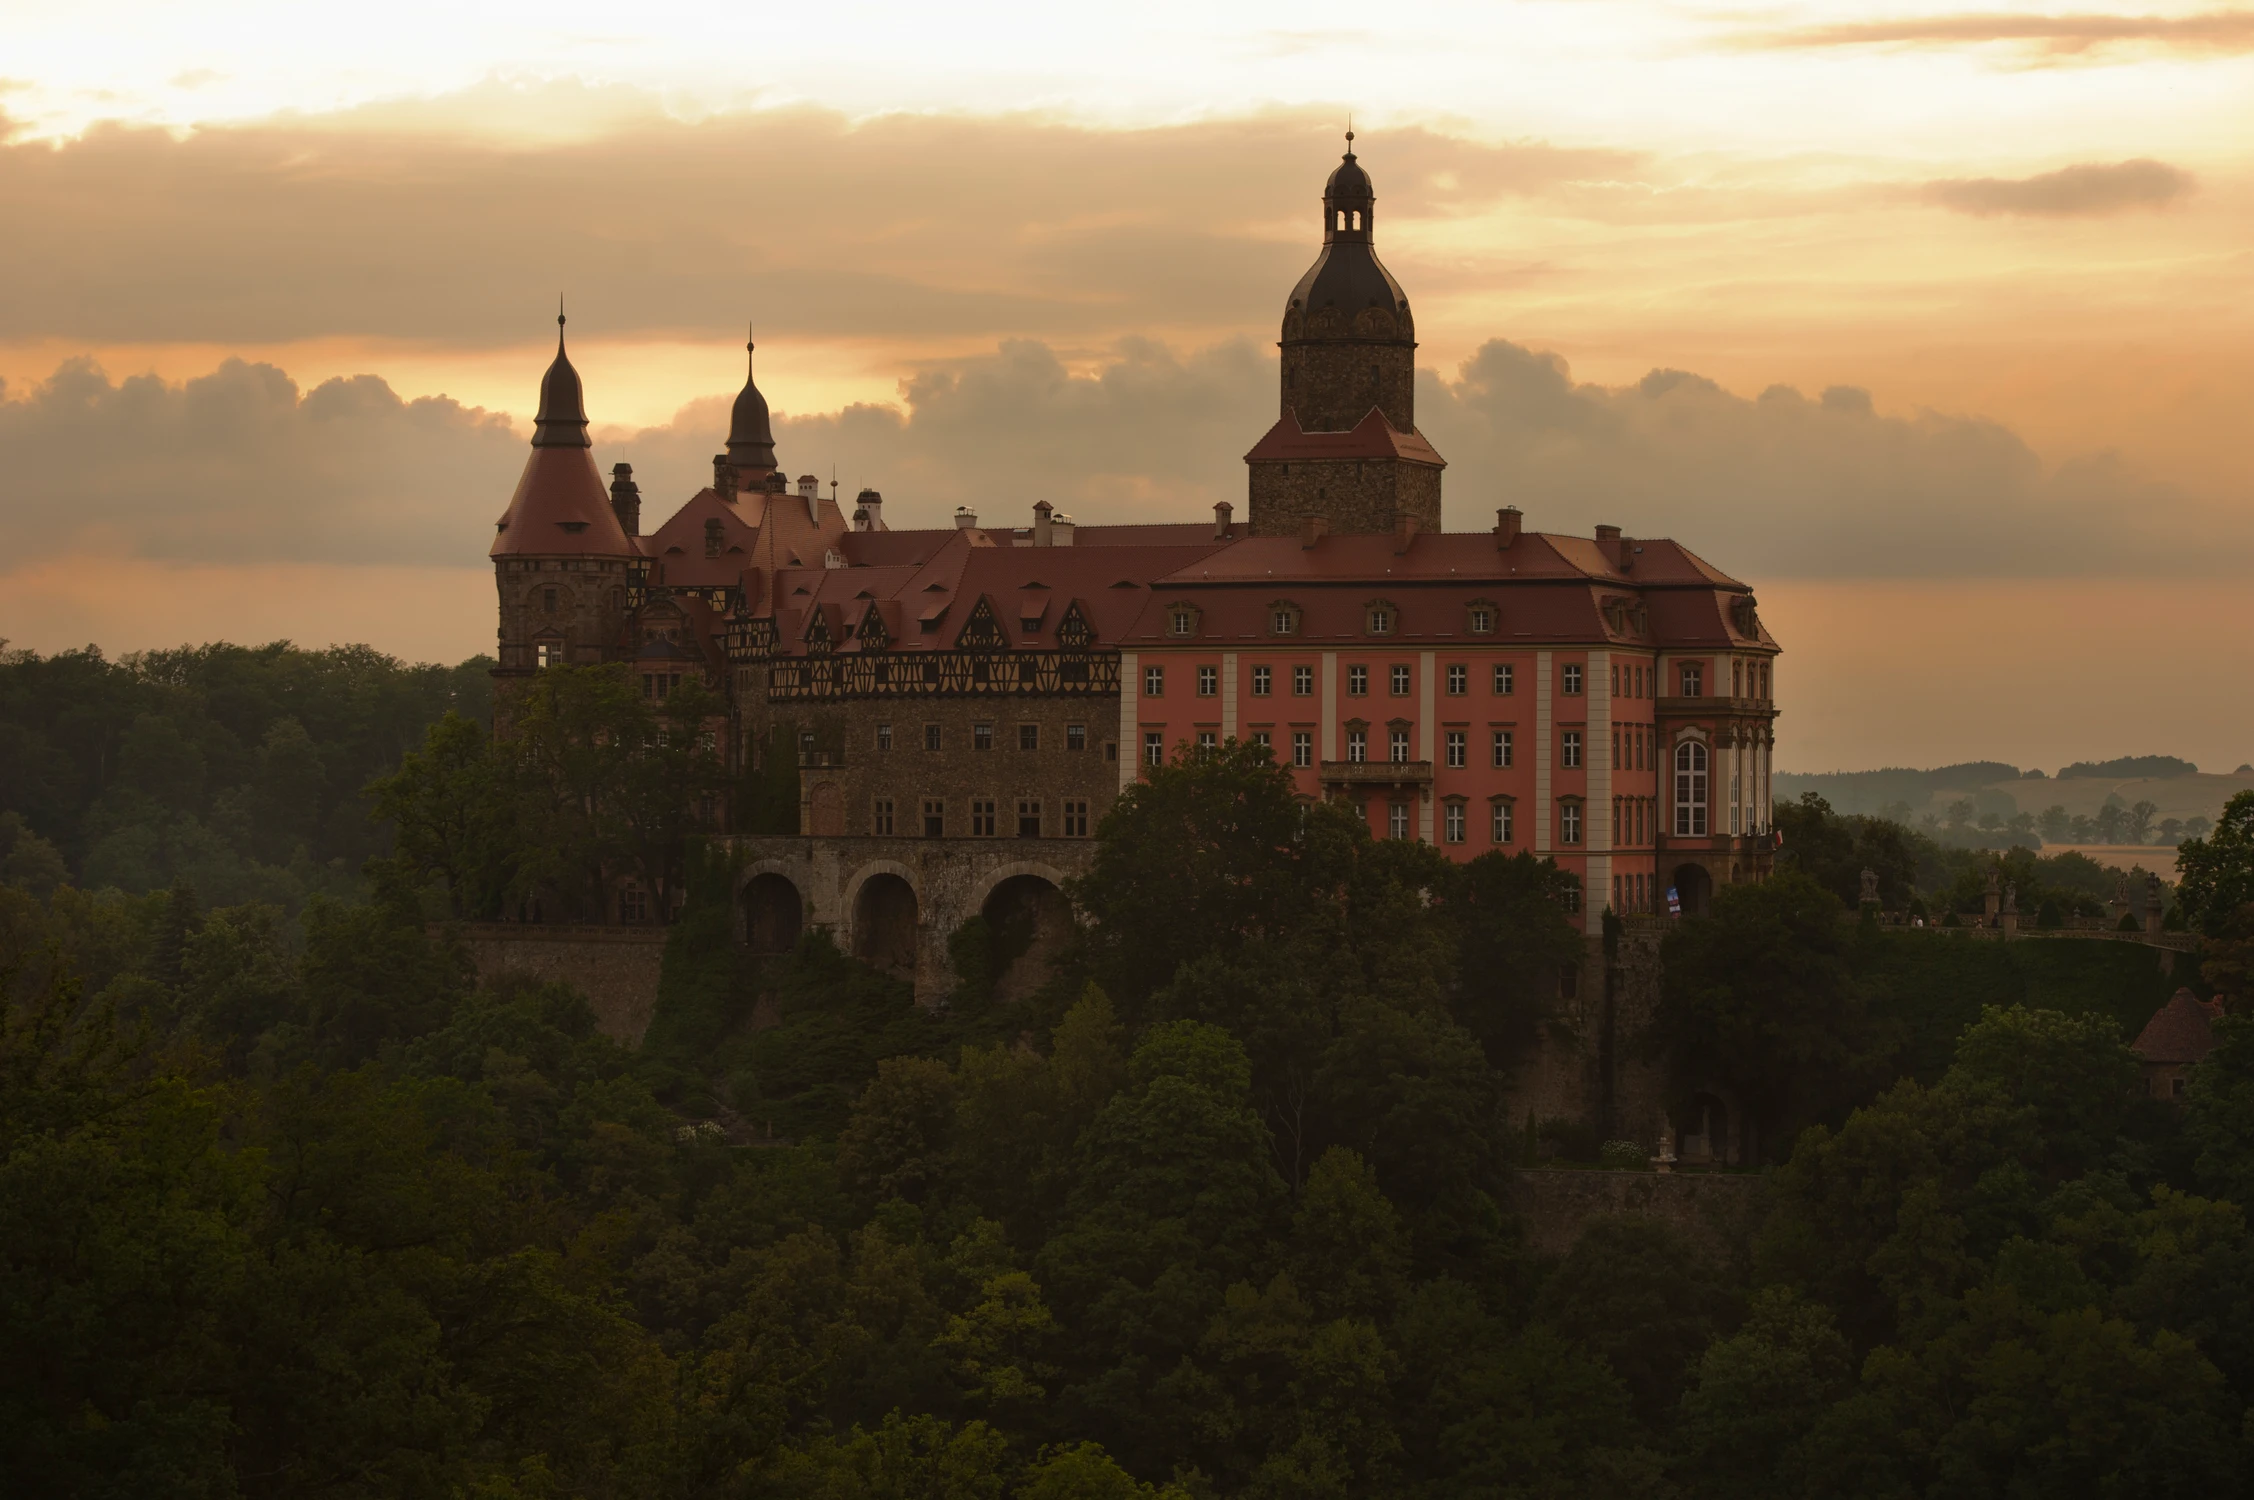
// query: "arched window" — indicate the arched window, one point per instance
point(1342, 218)
point(1690, 790)
point(1357, 218)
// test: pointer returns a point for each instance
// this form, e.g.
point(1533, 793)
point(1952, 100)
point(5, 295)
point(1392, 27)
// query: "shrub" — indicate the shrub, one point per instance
point(1622, 1156)
point(2048, 917)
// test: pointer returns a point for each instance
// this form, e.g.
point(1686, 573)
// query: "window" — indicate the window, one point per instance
point(1572, 976)
point(1504, 748)
point(1154, 748)
point(549, 654)
point(1208, 681)
point(931, 736)
point(806, 742)
point(1207, 740)
point(1029, 736)
point(1357, 682)
point(1154, 682)
point(1262, 679)
point(1381, 621)
point(1690, 790)
point(881, 822)
point(1737, 679)
point(1357, 746)
point(1075, 737)
point(1572, 686)
point(1615, 762)
point(1303, 682)
point(1499, 823)
point(1506, 680)
point(1260, 738)
point(1764, 684)
point(1400, 682)
point(1111, 750)
point(1397, 746)
point(884, 736)
point(1616, 693)
point(1455, 744)
point(1570, 755)
point(1397, 820)
point(548, 600)
point(982, 736)
point(1452, 823)
point(982, 817)
point(1029, 820)
point(935, 819)
point(1693, 676)
point(1302, 748)
point(1459, 680)
point(1076, 820)
point(1282, 621)
point(1482, 620)
point(633, 903)
point(1569, 822)
point(1181, 620)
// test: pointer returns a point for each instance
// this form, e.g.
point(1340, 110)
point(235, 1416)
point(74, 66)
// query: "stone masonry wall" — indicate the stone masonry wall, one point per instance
point(615, 967)
point(1331, 386)
point(1717, 1211)
point(858, 774)
point(1359, 497)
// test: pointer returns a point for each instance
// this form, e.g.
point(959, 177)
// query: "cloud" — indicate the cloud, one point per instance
point(2086, 190)
point(1784, 485)
point(241, 466)
point(2221, 31)
point(900, 228)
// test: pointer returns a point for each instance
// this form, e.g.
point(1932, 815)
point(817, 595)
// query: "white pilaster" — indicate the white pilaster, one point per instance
point(1425, 710)
point(1598, 829)
point(1542, 811)
point(1228, 695)
point(1130, 732)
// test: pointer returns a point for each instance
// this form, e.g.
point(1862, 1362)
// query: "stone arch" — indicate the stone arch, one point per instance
point(1025, 909)
point(774, 912)
point(1694, 887)
point(886, 911)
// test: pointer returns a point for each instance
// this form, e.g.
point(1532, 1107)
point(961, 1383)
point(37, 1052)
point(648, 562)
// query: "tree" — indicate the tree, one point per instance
point(2215, 871)
point(453, 814)
point(1757, 997)
point(1757, 1394)
point(2137, 822)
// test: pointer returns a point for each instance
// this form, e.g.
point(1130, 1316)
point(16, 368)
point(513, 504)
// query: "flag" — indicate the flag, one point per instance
point(1674, 903)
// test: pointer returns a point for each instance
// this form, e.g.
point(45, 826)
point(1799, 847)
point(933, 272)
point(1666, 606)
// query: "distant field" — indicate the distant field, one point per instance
point(2199, 795)
point(2156, 858)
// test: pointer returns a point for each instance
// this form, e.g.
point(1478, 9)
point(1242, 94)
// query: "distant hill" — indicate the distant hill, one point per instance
point(2159, 767)
point(1872, 791)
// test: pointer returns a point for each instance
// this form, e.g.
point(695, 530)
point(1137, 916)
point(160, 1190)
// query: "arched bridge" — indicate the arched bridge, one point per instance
point(896, 901)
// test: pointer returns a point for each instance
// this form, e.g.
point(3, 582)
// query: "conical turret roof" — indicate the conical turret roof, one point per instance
point(561, 507)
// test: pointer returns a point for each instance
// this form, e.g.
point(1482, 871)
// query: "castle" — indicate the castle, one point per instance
point(966, 702)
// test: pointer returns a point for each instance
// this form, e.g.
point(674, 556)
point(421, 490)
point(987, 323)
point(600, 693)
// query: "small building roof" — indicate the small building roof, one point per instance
point(2182, 1031)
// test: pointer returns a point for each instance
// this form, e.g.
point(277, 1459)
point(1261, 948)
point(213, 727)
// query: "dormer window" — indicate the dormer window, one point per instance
point(1481, 620)
point(1283, 619)
point(1181, 620)
point(1380, 619)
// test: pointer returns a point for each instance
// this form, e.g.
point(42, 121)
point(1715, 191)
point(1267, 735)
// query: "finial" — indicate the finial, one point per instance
point(1349, 132)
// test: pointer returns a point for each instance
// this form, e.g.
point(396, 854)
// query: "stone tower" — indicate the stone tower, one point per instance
point(561, 560)
point(1345, 450)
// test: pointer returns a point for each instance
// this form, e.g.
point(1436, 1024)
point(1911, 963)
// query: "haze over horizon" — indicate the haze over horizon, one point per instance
point(1933, 325)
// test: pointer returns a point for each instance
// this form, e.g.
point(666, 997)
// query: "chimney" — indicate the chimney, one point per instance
point(860, 518)
point(1404, 531)
point(1506, 527)
point(724, 477)
point(626, 499)
point(1222, 512)
point(1060, 531)
point(809, 488)
point(1042, 524)
point(1614, 546)
point(873, 503)
point(1313, 529)
point(966, 519)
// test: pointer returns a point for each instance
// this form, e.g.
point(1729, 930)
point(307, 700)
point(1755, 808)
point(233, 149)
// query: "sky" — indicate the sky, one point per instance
point(1933, 323)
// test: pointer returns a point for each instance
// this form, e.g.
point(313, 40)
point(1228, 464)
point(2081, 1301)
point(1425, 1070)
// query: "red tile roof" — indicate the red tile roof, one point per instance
point(560, 509)
point(1372, 437)
point(2182, 1031)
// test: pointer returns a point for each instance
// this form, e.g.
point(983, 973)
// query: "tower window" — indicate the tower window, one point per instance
point(1357, 218)
point(1342, 218)
point(548, 600)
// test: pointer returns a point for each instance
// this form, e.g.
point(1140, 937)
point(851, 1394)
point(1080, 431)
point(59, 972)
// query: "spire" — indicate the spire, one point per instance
point(751, 436)
point(562, 422)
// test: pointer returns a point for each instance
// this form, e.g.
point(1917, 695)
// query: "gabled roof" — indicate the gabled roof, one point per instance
point(2182, 1031)
point(1371, 438)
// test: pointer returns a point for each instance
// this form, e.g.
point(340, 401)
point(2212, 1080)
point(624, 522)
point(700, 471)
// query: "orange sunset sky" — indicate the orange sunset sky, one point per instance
point(1936, 324)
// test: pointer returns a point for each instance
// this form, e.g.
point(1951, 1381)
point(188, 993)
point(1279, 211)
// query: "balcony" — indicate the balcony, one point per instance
point(1375, 773)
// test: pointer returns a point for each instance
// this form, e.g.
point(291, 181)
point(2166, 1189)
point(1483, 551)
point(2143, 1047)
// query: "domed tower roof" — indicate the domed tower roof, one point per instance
point(562, 422)
point(1347, 278)
point(751, 434)
point(560, 508)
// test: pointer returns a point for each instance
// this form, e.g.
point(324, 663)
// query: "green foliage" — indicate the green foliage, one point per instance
point(235, 769)
point(1834, 851)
